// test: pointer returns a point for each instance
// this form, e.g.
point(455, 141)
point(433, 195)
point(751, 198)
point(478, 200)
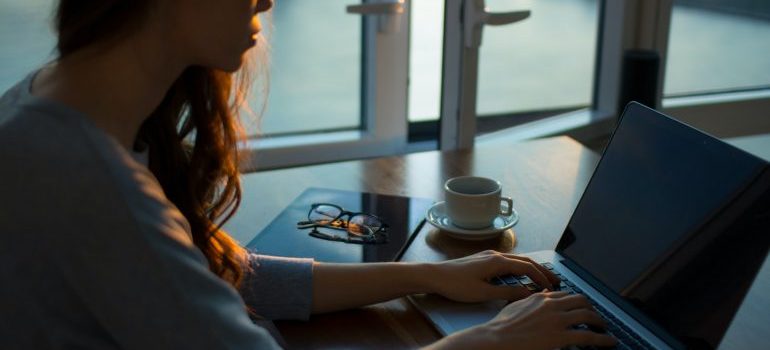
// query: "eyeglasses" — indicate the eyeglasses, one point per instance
point(361, 228)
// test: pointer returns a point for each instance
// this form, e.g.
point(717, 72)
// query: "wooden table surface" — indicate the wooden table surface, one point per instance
point(544, 177)
point(551, 172)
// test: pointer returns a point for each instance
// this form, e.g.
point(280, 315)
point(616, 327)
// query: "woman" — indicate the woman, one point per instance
point(112, 225)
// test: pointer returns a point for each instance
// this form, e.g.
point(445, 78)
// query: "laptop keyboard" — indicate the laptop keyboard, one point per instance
point(627, 339)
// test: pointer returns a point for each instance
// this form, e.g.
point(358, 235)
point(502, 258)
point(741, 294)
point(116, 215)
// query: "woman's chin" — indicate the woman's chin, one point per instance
point(228, 63)
point(231, 66)
point(232, 69)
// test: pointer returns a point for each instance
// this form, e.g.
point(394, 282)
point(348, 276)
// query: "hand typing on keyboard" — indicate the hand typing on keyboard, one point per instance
point(538, 319)
point(545, 320)
point(468, 279)
point(627, 338)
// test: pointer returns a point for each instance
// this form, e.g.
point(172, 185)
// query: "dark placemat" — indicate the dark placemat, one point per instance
point(404, 215)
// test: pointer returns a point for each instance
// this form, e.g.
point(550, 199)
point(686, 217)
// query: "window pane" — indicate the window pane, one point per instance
point(315, 61)
point(26, 38)
point(315, 68)
point(425, 50)
point(544, 62)
point(718, 48)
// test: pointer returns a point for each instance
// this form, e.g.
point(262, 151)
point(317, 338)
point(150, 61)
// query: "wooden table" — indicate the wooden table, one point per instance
point(545, 177)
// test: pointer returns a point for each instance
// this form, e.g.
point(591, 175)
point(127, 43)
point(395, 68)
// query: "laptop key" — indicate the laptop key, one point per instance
point(525, 280)
point(534, 288)
point(510, 280)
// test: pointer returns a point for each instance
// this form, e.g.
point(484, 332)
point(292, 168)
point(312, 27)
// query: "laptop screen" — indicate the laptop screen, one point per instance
point(673, 226)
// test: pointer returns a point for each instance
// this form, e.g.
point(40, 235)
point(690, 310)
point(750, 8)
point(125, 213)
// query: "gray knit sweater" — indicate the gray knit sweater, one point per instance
point(93, 255)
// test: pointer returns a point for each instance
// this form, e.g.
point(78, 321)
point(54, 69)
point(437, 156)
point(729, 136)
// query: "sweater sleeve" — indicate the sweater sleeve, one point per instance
point(279, 288)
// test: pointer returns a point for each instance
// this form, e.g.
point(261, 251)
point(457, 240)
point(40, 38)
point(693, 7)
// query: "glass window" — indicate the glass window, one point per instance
point(425, 52)
point(545, 62)
point(315, 68)
point(718, 46)
point(315, 61)
point(26, 38)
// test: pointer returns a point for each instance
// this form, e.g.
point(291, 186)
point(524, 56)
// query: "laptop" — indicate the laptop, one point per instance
point(666, 240)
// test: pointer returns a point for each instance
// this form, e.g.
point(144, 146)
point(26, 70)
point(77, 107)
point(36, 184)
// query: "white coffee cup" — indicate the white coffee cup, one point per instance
point(473, 202)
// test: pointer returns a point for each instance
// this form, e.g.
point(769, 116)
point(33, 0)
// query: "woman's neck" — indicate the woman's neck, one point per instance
point(116, 87)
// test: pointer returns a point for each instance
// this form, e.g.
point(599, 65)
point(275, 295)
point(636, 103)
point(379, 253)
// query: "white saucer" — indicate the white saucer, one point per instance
point(438, 217)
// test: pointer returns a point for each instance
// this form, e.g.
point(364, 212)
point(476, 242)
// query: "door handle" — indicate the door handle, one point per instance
point(475, 16)
point(388, 13)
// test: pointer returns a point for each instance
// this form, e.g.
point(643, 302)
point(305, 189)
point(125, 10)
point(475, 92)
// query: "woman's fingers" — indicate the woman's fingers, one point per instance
point(520, 267)
point(502, 265)
point(580, 314)
point(572, 302)
point(550, 275)
point(583, 316)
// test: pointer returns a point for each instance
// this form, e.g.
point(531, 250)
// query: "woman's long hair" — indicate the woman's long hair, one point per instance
point(200, 176)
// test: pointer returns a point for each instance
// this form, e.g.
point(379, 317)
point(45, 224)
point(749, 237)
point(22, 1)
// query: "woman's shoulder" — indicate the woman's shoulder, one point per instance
point(55, 159)
point(38, 129)
point(37, 132)
point(39, 140)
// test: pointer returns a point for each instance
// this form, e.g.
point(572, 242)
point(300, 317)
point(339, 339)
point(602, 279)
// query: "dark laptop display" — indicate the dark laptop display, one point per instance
point(683, 222)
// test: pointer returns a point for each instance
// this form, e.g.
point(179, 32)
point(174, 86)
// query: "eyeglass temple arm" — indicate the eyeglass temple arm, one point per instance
point(305, 224)
point(319, 234)
point(313, 225)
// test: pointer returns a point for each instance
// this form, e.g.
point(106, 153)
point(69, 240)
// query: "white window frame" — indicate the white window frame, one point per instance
point(647, 26)
point(623, 24)
point(643, 24)
point(458, 118)
point(384, 129)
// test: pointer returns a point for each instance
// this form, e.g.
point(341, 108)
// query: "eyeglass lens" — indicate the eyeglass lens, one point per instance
point(359, 224)
point(363, 225)
point(325, 215)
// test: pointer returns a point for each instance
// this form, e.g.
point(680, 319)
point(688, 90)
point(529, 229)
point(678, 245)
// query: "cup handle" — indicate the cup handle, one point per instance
point(510, 206)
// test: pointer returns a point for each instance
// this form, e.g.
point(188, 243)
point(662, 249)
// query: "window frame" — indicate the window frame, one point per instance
point(641, 24)
point(646, 24)
point(383, 108)
point(459, 125)
point(623, 24)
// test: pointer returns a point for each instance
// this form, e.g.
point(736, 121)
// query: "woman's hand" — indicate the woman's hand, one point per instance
point(541, 321)
point(343, 286)
point(467, 279)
